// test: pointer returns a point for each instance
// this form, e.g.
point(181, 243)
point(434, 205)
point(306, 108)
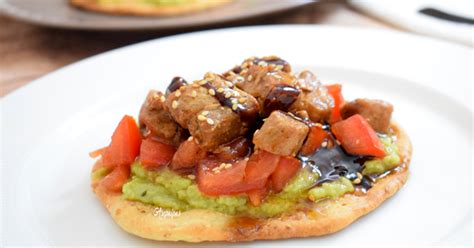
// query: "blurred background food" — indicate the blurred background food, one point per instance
point(37, 37)
point(147, 7)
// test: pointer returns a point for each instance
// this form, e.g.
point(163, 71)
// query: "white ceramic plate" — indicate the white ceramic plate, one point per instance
point(50, 125)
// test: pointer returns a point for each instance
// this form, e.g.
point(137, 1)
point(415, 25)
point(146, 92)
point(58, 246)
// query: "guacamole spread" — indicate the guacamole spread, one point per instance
point(167, 189)
point(390, 161)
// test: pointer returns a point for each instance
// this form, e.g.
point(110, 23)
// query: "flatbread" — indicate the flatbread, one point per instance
point(137, 8)
point(325, 217)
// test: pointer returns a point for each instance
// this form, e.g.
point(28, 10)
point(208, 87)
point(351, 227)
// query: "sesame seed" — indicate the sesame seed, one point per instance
point(227, 166)
point(242, 99)
point(227, 94)
point(205, 112)
point(177, 93)
point(277, 76)
point(212, 92)
point(278, 67)
point(249, 78)
point(222, 165)
point(229, 84)
point(193, 93)
point(162, 98)
point(234, 106)
point(209, 75)
point(202, 82)
point(324, 144)
point(236, 94)
point(192, 177)
point(262, 63)
point(190, 138)
point(240, 78)
point(246, 158)
point(174, 104)
point(210, 121)
point(202, 117)
point(357, 181)
point(220, 90)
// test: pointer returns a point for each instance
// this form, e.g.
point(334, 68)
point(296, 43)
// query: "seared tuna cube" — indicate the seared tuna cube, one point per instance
point(157, 121)
point(257, 76)
point(213, 110)
point(317, 103)
point(215, 126)
point(377, 112)
point(185, 103)
point(281, 134)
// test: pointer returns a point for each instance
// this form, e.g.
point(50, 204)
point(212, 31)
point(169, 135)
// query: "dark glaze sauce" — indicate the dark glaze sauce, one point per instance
point(275, 61)
point(247, 115)
point(175, 84)
point(331, 164)
point(280, 98)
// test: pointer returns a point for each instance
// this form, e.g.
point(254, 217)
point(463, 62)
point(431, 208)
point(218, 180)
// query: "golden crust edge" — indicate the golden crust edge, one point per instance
point(132, 9)
point(198, 225)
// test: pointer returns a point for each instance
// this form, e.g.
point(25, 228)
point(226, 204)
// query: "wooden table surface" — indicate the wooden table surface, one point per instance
point(28, 51)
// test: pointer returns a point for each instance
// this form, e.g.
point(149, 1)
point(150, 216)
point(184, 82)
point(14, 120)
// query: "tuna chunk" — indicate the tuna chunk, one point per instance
point(213, 110)
point(158, 122)
point(281, 134)
point(377, 112)
point(185, 103)
point(215, 126)
point(257, 76)
point(316, 102)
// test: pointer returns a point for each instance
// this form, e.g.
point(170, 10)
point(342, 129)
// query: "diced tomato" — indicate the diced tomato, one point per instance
point(125, 144)
point(96, 153)
point(316, 136)
point(188, 155)
point(154, 153)
point(256, 196)
point(260, 166)
point(357, 137)
point(225, 181)
point(117, 178)
point(285, 171)
point(335, 90)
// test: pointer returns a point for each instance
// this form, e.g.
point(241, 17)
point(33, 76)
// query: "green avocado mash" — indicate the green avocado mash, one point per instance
point(167, 189)
point(170, 190)
point(391, 159)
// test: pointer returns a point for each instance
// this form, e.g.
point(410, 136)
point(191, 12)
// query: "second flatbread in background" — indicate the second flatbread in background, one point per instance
point(147, 7)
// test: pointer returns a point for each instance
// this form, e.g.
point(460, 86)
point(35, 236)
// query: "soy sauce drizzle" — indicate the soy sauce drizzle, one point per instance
point(280, 98)
point(175, 84)
point(273, 61)
point(331, 164)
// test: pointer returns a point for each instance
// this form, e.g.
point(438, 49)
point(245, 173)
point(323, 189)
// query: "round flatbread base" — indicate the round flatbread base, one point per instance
point(136, 8)
point(324, 217)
